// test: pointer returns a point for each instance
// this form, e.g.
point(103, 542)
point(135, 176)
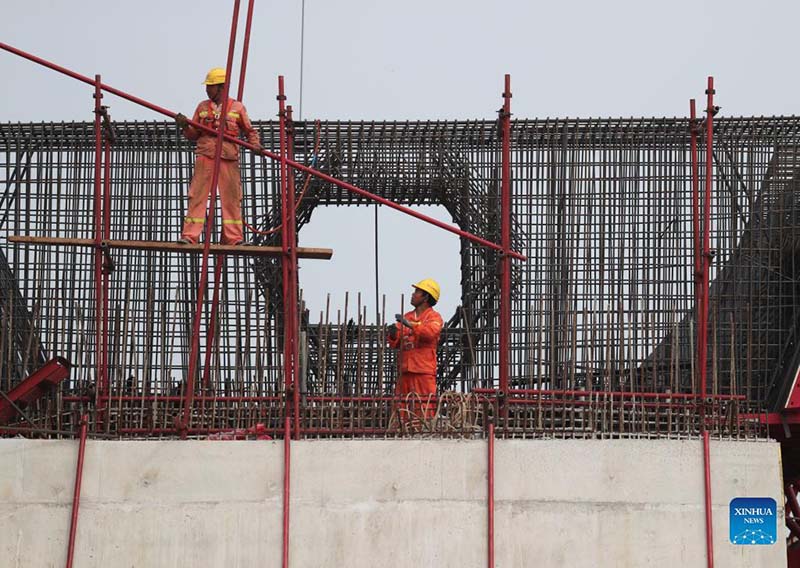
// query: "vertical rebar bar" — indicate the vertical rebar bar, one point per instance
point(290, 228)
point(505, 239)
point(100, 378)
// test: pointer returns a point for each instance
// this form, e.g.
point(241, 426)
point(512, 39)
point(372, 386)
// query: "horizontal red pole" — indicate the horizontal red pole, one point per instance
point(222, 398)
point(571, 402)
point(190, 431)
point(153, 398)
point(277, 432)
point(344, 431)
point(773, 418)
point(333, 398)
point(267, 153)
point(620, 394)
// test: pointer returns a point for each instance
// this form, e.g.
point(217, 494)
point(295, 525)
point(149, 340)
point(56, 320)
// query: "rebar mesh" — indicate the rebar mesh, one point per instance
point(605, 303)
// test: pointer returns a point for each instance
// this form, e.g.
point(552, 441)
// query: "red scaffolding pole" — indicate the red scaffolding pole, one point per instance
point(245, 50)
point(76, 495)
point(185, 421)
point(291, 229)
point(702, 262)
point(490, 496)
point(288, 268)
point(220, 261)
point(271, 155)
point(99, 229)
point(704, 338)
point(287, 463)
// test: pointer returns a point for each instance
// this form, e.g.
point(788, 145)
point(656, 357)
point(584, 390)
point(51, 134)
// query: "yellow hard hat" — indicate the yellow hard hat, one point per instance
point(215, 77)
point(429, 286)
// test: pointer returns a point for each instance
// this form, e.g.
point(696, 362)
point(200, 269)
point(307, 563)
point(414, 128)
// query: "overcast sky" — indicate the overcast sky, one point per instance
point(406, 60)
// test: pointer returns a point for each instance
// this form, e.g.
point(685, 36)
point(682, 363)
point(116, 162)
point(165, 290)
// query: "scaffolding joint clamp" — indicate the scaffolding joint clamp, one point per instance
point(108, 129)
point(108, 262)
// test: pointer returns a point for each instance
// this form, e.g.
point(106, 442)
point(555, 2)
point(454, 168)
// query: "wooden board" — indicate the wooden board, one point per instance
point(240, 250)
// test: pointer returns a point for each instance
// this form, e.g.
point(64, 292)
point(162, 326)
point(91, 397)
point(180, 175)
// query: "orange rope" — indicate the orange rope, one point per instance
point(302, 193)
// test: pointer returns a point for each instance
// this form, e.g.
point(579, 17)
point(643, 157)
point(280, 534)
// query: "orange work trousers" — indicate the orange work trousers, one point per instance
point(418, 392)
point(230, 195)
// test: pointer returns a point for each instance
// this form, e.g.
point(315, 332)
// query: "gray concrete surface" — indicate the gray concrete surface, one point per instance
point(571, 503)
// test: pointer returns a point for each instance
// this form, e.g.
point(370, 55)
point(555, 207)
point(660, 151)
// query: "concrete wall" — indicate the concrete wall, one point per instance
point(381, 503)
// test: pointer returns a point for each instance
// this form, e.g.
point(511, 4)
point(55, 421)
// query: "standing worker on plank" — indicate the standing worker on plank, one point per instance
point(208, 114)
point(416, 334)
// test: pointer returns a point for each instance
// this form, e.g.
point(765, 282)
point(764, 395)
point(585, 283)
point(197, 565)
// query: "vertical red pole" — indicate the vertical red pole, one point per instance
point(706, 250)
point(221, 257)
point(212, 326)
point(292, 237)
point(703, 339)
point(288, 266)
point(505, 242)
point(289, 258)
point(287, 462)
point(490, 500)
point(185, 421)
point(98, 253)
point(245, 49)
point(76, 495)
point(708, 504)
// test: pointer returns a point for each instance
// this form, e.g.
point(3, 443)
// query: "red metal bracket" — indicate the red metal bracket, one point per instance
point(42, 381)
point(793, 400)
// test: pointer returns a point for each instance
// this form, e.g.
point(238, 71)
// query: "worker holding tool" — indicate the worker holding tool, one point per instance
point(208, 114)
point(416, 335)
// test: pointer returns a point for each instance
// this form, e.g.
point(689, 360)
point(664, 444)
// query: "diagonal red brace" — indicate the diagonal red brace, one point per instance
point(273, 156)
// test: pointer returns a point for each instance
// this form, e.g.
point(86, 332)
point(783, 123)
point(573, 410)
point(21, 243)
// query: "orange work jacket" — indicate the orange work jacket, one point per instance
point(207, 114)
point(418, 345)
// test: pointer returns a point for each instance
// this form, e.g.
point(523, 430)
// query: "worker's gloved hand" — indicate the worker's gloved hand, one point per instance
point(259, 148)
point(404, 321)
point(391, 331)
point(181, 121)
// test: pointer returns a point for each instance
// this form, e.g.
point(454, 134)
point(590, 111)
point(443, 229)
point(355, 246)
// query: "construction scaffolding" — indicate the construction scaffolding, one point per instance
point(605, 304)
point(610, 286)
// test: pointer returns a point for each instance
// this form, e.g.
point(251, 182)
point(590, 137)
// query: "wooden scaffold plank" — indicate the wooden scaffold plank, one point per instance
point(237, 250)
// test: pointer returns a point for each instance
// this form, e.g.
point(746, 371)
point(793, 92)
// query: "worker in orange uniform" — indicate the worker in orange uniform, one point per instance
point(208, 114)
point(416, 334)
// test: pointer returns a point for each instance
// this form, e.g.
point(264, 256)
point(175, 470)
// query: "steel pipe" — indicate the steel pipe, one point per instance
point(268, 154)
point(76, 495)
